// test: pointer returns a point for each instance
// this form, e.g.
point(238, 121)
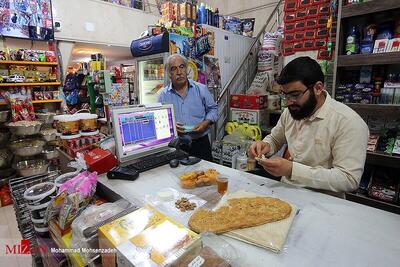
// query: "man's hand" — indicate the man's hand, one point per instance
point(179, 128)
point(277, 166)
point(202, 126)
point(259, 148)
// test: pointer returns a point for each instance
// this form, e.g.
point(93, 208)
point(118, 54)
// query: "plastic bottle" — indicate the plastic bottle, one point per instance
point(202, 14)
point(216, 18)
point(241, 162)
point(352, 41)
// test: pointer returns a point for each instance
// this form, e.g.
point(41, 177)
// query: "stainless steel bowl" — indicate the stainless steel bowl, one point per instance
point(50, 152)
point(49, 135)
point(5, 158)
point(27, 147)
point(46, 118)
point(4, 116)
point(32, 167)
point(31, 128)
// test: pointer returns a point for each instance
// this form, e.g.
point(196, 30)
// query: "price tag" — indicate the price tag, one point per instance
point(197, 262)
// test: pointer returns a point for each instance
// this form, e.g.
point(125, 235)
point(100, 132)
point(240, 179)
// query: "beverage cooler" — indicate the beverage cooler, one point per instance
point(151, 54)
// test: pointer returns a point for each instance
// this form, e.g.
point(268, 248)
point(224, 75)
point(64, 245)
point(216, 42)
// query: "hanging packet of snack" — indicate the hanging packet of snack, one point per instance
point(248, 27)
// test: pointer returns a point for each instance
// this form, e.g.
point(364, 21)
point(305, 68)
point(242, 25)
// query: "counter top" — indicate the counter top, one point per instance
point(328, 231)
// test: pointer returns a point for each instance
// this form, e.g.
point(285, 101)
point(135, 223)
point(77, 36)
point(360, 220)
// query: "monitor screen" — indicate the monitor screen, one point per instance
point(26, 19)
point(143, 129)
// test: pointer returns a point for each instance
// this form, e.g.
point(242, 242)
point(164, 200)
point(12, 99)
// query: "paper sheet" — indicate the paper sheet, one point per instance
point(271, 236)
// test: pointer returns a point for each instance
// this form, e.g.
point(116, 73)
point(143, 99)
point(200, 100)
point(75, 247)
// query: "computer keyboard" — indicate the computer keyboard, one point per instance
point(153, 161)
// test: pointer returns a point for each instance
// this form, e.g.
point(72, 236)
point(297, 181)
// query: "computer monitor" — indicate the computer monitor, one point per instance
point(140, 131)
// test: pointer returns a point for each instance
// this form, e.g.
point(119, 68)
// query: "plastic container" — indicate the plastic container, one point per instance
point(213, 251)
point(38, 212)
point(40, 193)
point(42, 232)
point(88, 122)
point(68, 124)
point(63, 178)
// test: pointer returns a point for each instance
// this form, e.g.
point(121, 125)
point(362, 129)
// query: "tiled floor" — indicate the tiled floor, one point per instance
point(10, 235)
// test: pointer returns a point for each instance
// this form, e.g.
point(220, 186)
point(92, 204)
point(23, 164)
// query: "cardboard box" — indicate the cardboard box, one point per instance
point(249, 101)
point(159, 245)
point(122, 229)
point(257, 117)
point(100, 161)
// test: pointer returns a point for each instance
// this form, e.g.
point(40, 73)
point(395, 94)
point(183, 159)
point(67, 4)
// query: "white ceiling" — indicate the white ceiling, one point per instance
point(113, 54)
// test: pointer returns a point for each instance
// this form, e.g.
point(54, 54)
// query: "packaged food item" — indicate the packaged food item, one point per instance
point(51, 56)
point(38, 95)
point(248, 26)
point(48, 95)
point(69, 124)
point(56, 95)
point(88, 122)
point(21, 107)
point(73, 197)
point(147, 249)
point(3, 54)
point(195, 179)
point(16, 54)
point(232, 24)
point(122, 229)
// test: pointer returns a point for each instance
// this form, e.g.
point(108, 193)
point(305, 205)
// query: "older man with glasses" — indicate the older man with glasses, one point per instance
point(194, 107)
point(327, 140)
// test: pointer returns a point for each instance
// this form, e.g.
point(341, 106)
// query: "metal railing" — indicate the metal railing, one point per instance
point(245, 72)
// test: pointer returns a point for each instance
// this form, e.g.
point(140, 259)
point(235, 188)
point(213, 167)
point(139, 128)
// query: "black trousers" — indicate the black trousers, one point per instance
point(200, 148)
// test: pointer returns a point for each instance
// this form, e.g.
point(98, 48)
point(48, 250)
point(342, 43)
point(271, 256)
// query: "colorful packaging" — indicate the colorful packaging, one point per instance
point(248, 26)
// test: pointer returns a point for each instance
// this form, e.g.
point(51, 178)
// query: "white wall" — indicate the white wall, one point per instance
point(95, 21)
point(258, 9)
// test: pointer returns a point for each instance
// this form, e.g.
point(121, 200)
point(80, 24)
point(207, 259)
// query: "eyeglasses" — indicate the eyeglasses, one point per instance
point(175, 68)
point(294, 96)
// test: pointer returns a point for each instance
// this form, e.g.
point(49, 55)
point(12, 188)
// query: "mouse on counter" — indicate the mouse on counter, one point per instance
point(174, 163)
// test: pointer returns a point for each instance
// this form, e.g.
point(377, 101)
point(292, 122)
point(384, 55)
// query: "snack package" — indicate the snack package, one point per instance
point(31, 55)
point(3, 54)
point(51, 56)
point(73, 196)
point(21, 106)
point(38, 95)
point(48, 95)
point(248, 27)
point(232, 24)
point(16, 54)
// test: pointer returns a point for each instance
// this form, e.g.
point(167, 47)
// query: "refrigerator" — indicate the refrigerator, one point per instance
point(150, 77)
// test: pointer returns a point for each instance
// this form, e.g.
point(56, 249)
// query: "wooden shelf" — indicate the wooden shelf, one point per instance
point(3, 104)
point(368, 59)
point(13, 62)
point(374, 158)
point(374, 107)
point(365, 200)
point(46, 101)
point(29, 84)
point(369, 7)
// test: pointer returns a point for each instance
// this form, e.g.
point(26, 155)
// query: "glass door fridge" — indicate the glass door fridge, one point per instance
point(151, 78)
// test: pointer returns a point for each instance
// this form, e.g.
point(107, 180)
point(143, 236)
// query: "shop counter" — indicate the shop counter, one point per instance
point(327, 231)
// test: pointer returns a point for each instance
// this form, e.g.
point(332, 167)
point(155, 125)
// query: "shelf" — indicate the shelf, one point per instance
point(3, 104)
point(13, 62)
point(365, 200)
point(375, 108)
point(46, 101)
point(374, 158)
point(29, 84)
point(369, 7)
point(369, 59)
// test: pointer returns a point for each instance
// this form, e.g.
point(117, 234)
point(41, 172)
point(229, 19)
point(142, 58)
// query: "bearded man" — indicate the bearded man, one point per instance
point(327, 140)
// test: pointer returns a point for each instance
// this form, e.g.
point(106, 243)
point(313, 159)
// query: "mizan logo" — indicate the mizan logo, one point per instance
point(25, 248)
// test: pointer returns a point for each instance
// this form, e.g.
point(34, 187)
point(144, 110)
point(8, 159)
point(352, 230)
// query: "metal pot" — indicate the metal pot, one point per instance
point(27, 147)
point(4, 116)
point(31, 128)
point(32, 167)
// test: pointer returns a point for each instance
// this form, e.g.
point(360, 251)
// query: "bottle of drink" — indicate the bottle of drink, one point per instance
point(352, 41)
point(216, 18)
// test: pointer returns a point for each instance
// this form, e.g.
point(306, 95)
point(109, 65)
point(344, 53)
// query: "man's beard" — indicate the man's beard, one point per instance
point(305, 110)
